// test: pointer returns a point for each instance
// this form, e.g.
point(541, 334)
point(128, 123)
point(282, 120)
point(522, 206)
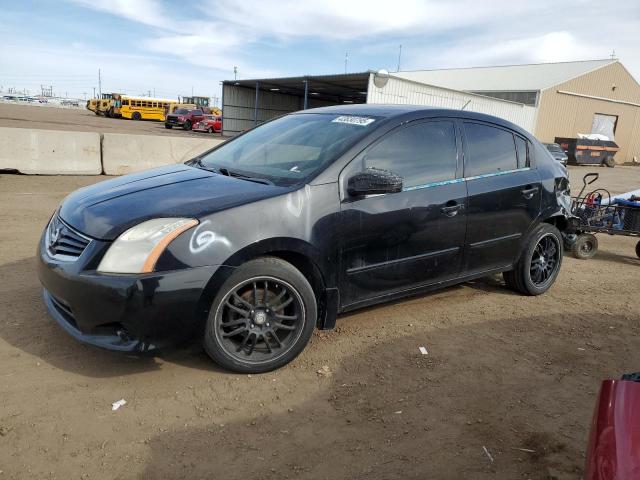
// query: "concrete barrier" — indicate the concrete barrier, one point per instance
point(50, 152)
point(124, 153)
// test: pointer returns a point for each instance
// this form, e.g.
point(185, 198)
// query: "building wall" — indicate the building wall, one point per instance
point(401, 91)
point(238, 106)
point(564, 115)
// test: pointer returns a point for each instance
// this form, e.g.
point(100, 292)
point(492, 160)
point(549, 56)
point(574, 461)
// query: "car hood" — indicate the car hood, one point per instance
point(107, 209)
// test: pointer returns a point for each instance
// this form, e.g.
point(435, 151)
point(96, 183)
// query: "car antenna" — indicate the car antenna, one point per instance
point(465, 105)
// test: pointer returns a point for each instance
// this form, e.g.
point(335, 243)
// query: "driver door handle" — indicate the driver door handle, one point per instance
point(529, 191)
point(451, 209)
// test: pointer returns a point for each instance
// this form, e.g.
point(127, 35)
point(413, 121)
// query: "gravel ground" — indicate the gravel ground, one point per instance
point(517, 376)
point(80, 120)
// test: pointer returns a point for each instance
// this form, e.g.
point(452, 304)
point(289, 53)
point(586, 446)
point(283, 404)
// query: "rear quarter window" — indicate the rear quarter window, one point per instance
point(489, 150)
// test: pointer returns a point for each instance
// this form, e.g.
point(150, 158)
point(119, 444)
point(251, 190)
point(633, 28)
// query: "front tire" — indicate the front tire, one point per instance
point(136, 116)
point(187, 125)
point(166, 125)
point(262, 317)
point(539, 265)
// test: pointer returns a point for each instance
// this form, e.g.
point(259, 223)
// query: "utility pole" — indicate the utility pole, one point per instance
point(99, 84)
point(235, 73)
point(154, 92)
point(85, 95)
point(613, 55)
point(94, 92)
point(399, 57)
point(192, 90)
point(346, 61)
point(149, 93)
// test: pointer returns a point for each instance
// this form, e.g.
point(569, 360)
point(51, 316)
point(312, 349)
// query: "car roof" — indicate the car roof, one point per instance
point(412, 111)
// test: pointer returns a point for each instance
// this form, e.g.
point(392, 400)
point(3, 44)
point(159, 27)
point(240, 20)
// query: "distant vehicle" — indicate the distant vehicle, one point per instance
point(143, 108)
point(210, 124)
point(252, 245)
point(184, 118)
point(201, 102)
point(92, 105)
point(173, 106)
point(613, 453)
point(557, 152)
point(586, 151)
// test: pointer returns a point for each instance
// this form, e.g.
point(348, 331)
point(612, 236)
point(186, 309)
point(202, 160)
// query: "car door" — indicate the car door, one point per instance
point(197, 116)
point(504, 195)
point(398, 241)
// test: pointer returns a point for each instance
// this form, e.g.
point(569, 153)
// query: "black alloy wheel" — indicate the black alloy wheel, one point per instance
point(539, 264)
point(545, 260)
point(261, 318)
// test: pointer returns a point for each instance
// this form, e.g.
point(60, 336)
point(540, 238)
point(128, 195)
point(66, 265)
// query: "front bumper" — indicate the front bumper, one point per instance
point(130, 313)
point(173, 122)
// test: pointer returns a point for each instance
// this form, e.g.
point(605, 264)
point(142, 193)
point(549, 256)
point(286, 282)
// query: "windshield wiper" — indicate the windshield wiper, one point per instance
point(231, 173)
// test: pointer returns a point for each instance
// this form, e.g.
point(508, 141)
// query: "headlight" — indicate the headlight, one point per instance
point(137, 250)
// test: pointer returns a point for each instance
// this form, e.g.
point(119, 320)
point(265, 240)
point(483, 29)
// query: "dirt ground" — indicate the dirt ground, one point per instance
point(515, 375)
point(80, 120)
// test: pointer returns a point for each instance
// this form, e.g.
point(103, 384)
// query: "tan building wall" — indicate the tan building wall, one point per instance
point(565, 115)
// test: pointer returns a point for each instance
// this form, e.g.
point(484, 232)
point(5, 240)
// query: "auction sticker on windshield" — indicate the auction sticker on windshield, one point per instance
point(362, 121)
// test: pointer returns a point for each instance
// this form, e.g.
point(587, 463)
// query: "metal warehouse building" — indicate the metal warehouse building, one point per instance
point(549, 99)
point(246, 103)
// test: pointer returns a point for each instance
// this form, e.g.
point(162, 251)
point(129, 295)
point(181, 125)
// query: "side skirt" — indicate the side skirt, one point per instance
point(421, 289)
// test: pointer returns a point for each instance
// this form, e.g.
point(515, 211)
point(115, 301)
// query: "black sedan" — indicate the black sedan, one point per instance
point(254, 244)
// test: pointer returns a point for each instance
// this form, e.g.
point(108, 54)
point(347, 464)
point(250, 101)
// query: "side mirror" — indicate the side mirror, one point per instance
point(374, 181)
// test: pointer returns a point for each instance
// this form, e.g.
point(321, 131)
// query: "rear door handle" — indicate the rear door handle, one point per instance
point(451, 209)
point(529, 192)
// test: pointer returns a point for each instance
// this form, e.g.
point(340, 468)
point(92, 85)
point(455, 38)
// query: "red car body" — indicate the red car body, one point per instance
point(184, 118)
point(614, 444)
point(210, 123)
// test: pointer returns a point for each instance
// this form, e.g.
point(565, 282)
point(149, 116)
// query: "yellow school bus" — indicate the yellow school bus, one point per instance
point(143, 108)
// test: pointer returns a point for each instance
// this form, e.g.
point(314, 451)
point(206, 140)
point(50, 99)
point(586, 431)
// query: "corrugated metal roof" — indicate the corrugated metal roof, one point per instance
point(531, 77)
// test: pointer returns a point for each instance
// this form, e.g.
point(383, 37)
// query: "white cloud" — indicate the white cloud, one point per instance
point(213, 36)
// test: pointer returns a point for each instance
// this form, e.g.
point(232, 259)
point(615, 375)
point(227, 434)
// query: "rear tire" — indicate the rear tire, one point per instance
point(609, 162)
point(261, 318)
point(539, 265)
point(585, 246)
point(638, 249)
point(136, 116)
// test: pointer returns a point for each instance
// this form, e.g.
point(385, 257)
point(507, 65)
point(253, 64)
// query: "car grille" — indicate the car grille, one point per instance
point(63, 242)
point(172, 120)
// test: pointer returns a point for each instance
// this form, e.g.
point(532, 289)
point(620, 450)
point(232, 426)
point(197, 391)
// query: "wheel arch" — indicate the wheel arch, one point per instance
point(298, 253)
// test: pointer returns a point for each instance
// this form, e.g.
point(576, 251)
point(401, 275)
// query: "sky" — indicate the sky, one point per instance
point(170, 48)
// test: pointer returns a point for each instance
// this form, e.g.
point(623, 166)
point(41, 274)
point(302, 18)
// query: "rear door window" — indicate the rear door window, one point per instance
point(489, 150)
point(420, 153)
point(521, 148)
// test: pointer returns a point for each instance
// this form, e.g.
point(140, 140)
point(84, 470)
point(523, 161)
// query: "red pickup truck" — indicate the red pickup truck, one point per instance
point(184, 118)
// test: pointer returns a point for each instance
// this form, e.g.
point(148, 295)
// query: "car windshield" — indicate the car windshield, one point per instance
point(291, 149)
point(181, 111)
